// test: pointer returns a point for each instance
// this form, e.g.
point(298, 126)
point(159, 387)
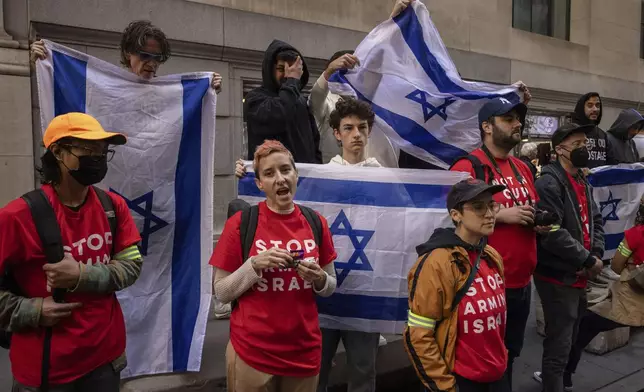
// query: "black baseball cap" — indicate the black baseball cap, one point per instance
point(568, 129)
point(500, 106)
point(466, 190)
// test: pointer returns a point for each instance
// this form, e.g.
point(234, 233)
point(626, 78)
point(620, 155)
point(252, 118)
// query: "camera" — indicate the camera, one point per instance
point(545, 218)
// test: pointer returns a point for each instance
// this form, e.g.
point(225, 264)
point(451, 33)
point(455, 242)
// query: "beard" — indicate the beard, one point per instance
point(504, 141)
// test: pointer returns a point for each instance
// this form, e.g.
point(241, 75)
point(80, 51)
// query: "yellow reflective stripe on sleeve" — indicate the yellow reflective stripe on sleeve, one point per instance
point(131, 253)
point(414, 320)
point(623, 250)
point(555, 228)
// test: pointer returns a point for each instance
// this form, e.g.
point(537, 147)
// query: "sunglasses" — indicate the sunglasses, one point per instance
point(481, 208)
point(146, 56)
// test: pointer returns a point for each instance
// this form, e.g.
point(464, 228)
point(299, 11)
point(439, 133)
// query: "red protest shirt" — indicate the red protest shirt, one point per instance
point(580, 192)
point(94, 334)
point(634, 237)
point(516, 244)
point(274, 328)
point(481, 355)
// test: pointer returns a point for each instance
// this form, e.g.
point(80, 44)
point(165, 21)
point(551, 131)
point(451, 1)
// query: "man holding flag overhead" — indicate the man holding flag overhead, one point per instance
point(421, 102)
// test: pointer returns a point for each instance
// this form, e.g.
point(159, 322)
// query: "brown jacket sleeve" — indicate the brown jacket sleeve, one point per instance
point(431, 290)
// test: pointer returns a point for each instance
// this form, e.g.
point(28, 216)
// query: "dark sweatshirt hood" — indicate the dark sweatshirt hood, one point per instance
point(579, 115)
point(268, 65)
point(443, 238)
point(625, 121)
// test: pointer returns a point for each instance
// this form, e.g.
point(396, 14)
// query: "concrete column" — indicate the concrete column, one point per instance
point(16, 149)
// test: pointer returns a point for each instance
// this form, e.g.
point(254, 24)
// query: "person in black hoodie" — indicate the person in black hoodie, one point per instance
point(278, 110)
point(620, 137)
point(589, 112)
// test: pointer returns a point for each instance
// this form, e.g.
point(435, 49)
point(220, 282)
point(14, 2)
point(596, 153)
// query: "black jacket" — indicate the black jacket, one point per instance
point(561, 252)
point(622, 148)
point(597, 140)
point(280, 112)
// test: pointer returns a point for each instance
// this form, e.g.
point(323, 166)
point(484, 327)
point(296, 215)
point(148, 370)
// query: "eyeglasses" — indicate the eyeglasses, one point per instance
point(147, 56)
point(108, 154)
point(481, 208)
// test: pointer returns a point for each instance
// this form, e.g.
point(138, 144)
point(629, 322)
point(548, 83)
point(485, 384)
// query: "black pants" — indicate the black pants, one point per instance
point(518, 311)
point(563, 307)
point(106, 378)
point(465, 385)
point(591, 325)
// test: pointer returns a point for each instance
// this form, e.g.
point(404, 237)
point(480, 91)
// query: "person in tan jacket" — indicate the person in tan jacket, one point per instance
point(457, 310)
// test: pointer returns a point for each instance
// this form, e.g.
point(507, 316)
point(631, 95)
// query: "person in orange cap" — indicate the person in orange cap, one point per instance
point(68, 308)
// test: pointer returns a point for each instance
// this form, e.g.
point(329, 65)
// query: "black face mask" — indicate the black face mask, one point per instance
point(91, 170)
point(579, 157)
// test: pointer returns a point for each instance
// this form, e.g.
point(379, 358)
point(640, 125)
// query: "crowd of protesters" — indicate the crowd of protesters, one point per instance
point(516, 221)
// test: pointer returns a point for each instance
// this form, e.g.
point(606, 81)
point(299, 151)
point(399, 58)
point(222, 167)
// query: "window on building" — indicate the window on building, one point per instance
point(547, 17)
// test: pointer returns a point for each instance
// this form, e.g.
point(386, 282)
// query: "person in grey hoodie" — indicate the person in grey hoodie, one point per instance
point(620, 138)
point(588, 111)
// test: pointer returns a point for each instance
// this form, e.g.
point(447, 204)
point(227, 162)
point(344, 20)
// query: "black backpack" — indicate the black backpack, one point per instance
point(481, 171)
point(50, 236)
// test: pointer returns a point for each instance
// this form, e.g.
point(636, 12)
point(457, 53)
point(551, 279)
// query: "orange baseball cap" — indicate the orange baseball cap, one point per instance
point(79, 126)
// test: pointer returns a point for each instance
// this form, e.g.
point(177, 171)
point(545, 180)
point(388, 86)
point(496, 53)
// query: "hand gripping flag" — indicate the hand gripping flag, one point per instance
point(421, 103)
point(377, 217)
point(165, 174)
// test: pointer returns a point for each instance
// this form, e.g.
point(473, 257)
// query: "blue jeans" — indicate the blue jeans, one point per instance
point(361, 349)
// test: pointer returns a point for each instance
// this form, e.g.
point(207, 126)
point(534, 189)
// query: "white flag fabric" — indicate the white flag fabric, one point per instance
point(617, 191)
point(165, 174)
point(420, 101)
point(377, 217)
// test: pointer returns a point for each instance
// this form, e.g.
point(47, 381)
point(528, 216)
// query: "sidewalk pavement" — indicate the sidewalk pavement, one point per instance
point(621, 370)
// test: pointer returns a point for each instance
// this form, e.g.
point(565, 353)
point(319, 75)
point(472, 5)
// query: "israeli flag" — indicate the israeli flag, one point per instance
point(421, 103)
point(617, 190)
point(377, 217)
point(165, 174)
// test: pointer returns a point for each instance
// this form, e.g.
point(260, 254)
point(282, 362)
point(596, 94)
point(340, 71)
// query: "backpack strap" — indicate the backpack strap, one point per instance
point(46, 224)
point(477, 166)
point(314, 221)
point(110, 213)
point(460, 294)
point(48, 230)
point(247, 228)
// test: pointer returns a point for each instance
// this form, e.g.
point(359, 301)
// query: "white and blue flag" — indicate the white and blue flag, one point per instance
point(617, 190)
point(420, 101)
point(164, 172)
point(377, 217)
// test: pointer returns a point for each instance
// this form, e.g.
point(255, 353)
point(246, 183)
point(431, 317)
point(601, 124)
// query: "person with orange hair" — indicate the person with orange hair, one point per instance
point(275, 339)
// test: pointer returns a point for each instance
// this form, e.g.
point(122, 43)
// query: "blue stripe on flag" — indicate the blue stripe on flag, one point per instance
point(409, 129)
point(186, 252)
point(612, 240)
point(616, 177)
point(412, 32)
point(364, 306)
point(70, 84)
point(365, 193)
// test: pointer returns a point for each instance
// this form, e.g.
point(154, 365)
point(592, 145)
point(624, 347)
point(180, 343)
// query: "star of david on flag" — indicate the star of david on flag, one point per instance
point(420, 100)
point(164, 173)
point(359, 239)
point(376, 217)
point(617, 190)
